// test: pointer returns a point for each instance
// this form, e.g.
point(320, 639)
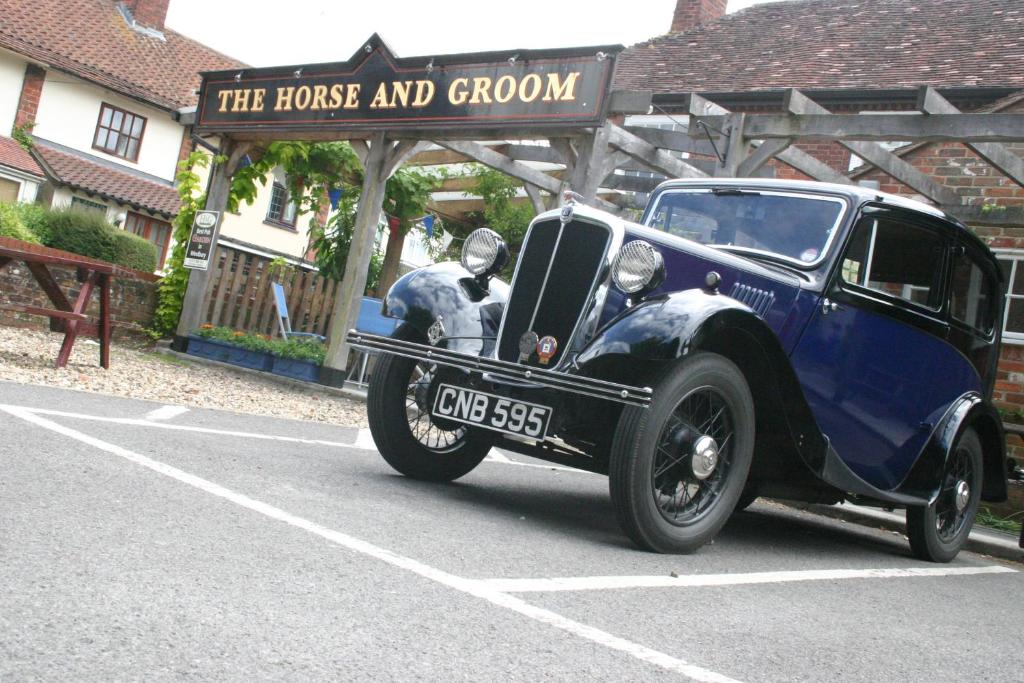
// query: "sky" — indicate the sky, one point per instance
point(271, 32)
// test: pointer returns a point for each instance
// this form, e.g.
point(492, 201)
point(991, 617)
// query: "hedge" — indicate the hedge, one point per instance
point(11, 225)
point(88, 233)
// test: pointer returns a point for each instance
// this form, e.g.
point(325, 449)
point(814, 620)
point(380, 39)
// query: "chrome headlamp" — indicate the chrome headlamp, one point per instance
point(639, 267)
point(484, 253)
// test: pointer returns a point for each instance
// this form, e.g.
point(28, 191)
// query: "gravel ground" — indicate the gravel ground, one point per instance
point(27, 356)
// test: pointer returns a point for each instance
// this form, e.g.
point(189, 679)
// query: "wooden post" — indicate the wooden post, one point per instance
point(735, 149)
point(199, 281)
point(350, 293)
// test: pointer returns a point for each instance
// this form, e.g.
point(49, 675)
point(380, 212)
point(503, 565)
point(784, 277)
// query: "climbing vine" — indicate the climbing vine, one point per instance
point(312, 169)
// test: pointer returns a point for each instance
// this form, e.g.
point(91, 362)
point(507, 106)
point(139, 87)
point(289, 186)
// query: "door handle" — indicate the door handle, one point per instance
point(829, 306)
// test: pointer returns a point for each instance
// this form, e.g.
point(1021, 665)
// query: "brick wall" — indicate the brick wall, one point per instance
point(132, 301)
point(31, 89)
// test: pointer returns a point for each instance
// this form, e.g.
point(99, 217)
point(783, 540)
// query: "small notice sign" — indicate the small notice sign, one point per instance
point(200, 242)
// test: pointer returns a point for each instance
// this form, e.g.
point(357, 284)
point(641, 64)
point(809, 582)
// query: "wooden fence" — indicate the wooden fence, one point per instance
point(240, 295)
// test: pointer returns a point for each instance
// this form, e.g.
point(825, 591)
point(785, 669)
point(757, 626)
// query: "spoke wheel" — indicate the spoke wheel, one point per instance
point(678, 468)
point(409, 438)
point(939, 531)
point(680, 493)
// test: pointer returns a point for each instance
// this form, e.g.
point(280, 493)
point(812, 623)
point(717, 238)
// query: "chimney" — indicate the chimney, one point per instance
point(150, 13)
point(692, 13)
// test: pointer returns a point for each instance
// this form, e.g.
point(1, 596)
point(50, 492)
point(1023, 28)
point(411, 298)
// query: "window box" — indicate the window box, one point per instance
point(296, 369)
point(212, 349)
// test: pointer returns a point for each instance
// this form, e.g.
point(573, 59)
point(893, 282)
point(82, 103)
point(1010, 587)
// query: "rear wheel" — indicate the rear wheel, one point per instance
point(678, 468)
point(939, 531)
point(407, 436)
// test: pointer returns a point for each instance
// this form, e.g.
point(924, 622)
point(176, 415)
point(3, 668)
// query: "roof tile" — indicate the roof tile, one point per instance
point(14, 156)
point(90, 39)
point(81, 173)
point(823, 44)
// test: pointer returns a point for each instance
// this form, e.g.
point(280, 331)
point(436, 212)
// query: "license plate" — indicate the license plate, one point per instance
point(491, 411)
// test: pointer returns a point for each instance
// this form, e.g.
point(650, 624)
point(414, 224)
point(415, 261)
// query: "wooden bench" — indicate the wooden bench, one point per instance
point(93, 273)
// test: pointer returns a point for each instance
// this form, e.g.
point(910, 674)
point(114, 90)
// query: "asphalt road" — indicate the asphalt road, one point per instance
point(145, 542)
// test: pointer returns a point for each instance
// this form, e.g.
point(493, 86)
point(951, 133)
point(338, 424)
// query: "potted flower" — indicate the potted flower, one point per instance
point(230, 346)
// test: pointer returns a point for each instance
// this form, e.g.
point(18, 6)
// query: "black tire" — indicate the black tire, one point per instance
point(418, 448)
point(672, 510)
point(939, 531)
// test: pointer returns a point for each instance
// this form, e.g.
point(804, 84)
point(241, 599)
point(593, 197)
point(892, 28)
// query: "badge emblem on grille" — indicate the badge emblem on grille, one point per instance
point(436, 331)
point(527, 343)
point(546, 348)
point(566, 214)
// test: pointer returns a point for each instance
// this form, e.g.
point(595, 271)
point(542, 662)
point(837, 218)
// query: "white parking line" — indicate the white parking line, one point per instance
point(165, 413)
point(364, 440)
point(588, 583)
point(468, 586)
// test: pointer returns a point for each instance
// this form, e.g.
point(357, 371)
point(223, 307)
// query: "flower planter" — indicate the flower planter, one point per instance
point(229, 353)
point(296, 369)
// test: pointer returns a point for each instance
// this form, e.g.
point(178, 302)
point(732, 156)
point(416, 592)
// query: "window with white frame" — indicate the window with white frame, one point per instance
point(1012, 265)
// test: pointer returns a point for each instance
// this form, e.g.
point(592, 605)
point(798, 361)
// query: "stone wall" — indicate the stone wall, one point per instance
point(132, 300)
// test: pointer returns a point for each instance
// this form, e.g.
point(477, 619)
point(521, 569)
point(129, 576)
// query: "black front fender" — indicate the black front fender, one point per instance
point(654, 333)
point(469, 311)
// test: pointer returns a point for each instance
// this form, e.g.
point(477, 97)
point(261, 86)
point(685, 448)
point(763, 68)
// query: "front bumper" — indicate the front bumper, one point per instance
point(547, 379)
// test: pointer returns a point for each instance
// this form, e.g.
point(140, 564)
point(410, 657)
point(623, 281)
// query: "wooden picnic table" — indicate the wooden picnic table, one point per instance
point(92, 273)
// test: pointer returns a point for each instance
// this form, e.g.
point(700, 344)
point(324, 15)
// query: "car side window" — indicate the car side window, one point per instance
point(903, 260)
point(972, 293)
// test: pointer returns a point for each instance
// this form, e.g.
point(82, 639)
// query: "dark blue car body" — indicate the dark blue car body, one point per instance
point(861, 390)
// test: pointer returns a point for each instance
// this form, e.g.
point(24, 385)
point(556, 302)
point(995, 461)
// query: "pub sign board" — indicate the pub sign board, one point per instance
point(374, 90)
point(201, 241)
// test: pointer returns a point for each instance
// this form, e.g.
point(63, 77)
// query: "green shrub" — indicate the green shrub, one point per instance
point(81, 232)
point(34, 217)
point(11, 224)
point(135, 252)
point(88, 233)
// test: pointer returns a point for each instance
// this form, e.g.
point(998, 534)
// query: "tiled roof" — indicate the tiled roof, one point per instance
point(90, 39)
point(74, 169)
point(848, 44)
point(14, 156)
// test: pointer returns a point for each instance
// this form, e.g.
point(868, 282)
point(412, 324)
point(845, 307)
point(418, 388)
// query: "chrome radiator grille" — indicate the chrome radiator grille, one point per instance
point(555, 278)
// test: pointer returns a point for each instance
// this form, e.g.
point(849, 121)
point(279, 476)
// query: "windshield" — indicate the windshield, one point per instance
point(798, 227)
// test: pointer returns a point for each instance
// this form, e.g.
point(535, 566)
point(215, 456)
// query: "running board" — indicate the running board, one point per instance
point(548, 379)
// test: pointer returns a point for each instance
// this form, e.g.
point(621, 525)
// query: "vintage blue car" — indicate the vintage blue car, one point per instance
point(750, 338)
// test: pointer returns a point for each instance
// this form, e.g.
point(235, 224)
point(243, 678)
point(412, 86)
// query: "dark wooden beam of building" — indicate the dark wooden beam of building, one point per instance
point(872, 152)
point(674, 140)
point(929, 101)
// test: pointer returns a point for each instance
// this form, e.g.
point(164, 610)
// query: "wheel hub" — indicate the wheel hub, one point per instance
point(963, 495)
point(704, 457)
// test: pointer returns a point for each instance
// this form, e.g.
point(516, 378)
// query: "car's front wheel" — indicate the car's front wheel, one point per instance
point(938, 532)
point(408, 437)
point(678, 468)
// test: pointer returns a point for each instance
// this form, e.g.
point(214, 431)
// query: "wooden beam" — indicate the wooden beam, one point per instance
point(361, 149)
point(648, 154)
point(400, 152)
point(533, 192)
point(438, 157)
point(735, 149)
point(929, 101)
point(675, 140)
point(762, 155)
point(489, 157)
point(882, 127)
point(798, 103)
point(631, 183)
point(548, 155)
